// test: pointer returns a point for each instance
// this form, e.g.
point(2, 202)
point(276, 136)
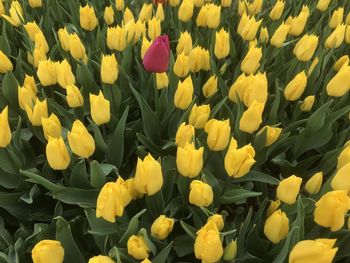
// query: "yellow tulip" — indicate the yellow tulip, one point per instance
point(198, 3)
point(296, 87)
point(128, 16)
point(202, 17)
point(331, 209)
point(63, 37)
point(101, 259)
point(336, 38)
point(280, 35)
point(255, 7)
point(213, 16)
point(252, 117)
point(347, 19)
point(47, 72)
point(116, 38)
point(272, 134)
point(313, 185)
point(38, 55)
point(305, 48)
point(57, 154)
point(146, 12)
point(264, 35)
point(162, 80)
point(347, 35)
point(230, 251)
point(242, 23)
point(277, 10)
point(274, 205)
point(239, 87)
point(201, 194)
point(26, 96)
point(5, 131)
point(88, 20)
point(74, 97)
point(148, 176)
point(76, 47)
point(341, 180)
point(226, 3)
point(144, 46)
point(337, 18)
point(199, 116)
point(186, 10)
point(80, 140)
point(119, 5)
point(100, 109)
point(189, 161)
point(199, 59)
point(210, 87)
point(32, 29)
point(41, 43)
point(184, 134)
point(132, 189)
point(49, 251)
point(154, 28)
point(217, 220)
point(182, 65)
point(307, 103)
point(109, 69)
point(160, 12)
point(64, 73)
point(276, 227)
point(35, 3)
point(51, 126)
point(222, 44)
point(322, 5)
point(5, 63)
point(342, 61)
point(15, 17)
point(2, 9)
point(344, 156)
point(297, 24)
point(340, 83)
point(162, 227)
point(38, 112)
point(251, 61)
point(184, 93)
point(312, 66)
point(288, 189)
point(218, 134)
point(184, 44)
point(108, 15)
point(250, 29)
point(137, 247)
point(255, 89)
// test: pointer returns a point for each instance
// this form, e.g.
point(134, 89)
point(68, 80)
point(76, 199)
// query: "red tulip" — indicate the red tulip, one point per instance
point(156, 58)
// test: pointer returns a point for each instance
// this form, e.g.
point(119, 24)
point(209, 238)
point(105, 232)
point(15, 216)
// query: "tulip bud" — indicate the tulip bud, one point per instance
point(230, 251)
point(184, 44)
point(160, 12)
point(57, 154)
point(88, 20)
point(298, 23)
point(128, 16)
point(108, 15)
point(274, 205)
point(344, 156)
point(313, 185)
point(35, 3)
point(340, 83)
point(288, 189)
point(162, 227)
point(342, 61)
point(154, 28)
point(312, 66)
point(217, 220)
point(157, 56)
point(255, 89)
point(264, 35)
point(162, 80)
point(280, 35)
point(51, 126)
point(251, 61)
point(119, 5)
point(202, 17)
point(272, 134)
point(80, 140)
point(74, 97)
point(116, 38)
point(101, 259)
point(148, 176)
point(185, 134)
point(238, 161)
point(199, 59)
point(27, 93)
point(331, 209)
point(63, 37)
point(16, 14)
point(5, 131)
point(239, 87)
point(322, 5)
point(137, 247)
point(276, 227)
point(296, 87)
point(38, 112)
point(109, 69)
point(5, 63)
point(189, 161)
point(226, 3)
point(305, 48)
point(48, 251)
point(337, 18)
point(313, 251)
point(185, 11)
point(336, 38)
point(218, 134)
point(213, 17)
point(255, 7)
point(210, 87)
point(64, 74)
point(47, 72)
point(201, 194)
point(222, 44)
point(32, 29)
point(182, 65)
point(248, 28)
point(277, 10)
point(184, 93)
point(307, 103)
point(145, 45)
point(41, 43)
point(100, 109)
point(252, 117)
point(146, 12)
point(199, 116)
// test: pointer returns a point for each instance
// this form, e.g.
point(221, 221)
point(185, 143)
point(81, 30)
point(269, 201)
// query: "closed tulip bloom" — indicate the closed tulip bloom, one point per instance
point(312, 66)
point(313, 185)
point(47, 72)
point(101, 259)
point(202, 17)
point(242, 23)
point(128, 16)
point(182, 65)
point(274, 205)
point(342, 61)
point(184, 93)
point(38, 112)
point(162, 80)
point(336, 38)
point(208, 246)
point(198, 3)
point(26, 96)
point(255, 89)
point(344, 156)
point(108, 15)
point(137, 247)
point(76, 47)
point(186, 10)
point(15, 17)
point(322, 5)
point(134, 194)
point(64, 73)
point(252, 117)
point(239, 87)
point(199, 59)
point(40, 42)
point(116, 38)
point(57, 154)
point(189, 160)
point(210, 87)
point(5, 131)
point(218, 134)
point(199, 116)
point(184, 44)
point(230, 251)
point(2, 9)
point(119, 5)
point(280, 35)
point(226, 3)
point(154, 28)
point(145, 46)
point(250, 29)
point(222, 44)
point(217, 220)
point(276, 227)
point(251, 61)
point(313, 251)
point(88, 20)
point(5, 63)
point(38, 55)
point(238, 161)
point(51, 127)
point(162, 227)
point(347, 35)
point(63, 37)
point(305, 48)
point(146, 12)
point(157, 56)
point(264, 35)
point(213, 16)
point(74, 97)
point(160, 12)
point(148, 176)
point(185, 134)
point(288, 189)
point(48, 251)
point(340, 83)
point(341, 180)
point(35, 3)
point(201, 194)
point(80, 140)
point(174, 3)
point(100, 109)
point(255, 7)
point(272, 134)
point(109, 69)
point(277, 10)
point(331, 209)
point(337, 17)
point(298, 23)
point(307, 104)
point(32, 29)
point(296, 87)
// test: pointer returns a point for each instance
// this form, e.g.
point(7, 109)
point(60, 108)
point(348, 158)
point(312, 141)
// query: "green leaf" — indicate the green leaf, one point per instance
point(132, 227)
point(114, 254)
point(10, 89)
point(8, 164)
point(242, 234)
point(317, 119)
point(237, 196)
point(4, 43)
point(286, 247)
point(155, 204)
point(99, 226)
point(97, 175)
point(255, 176)
point(149, 243)
point(79, 177)
point(100, 142)
point(191, 231)
point(163, 255)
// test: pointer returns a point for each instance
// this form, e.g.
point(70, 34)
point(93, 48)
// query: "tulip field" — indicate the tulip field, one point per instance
point(174, 131)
